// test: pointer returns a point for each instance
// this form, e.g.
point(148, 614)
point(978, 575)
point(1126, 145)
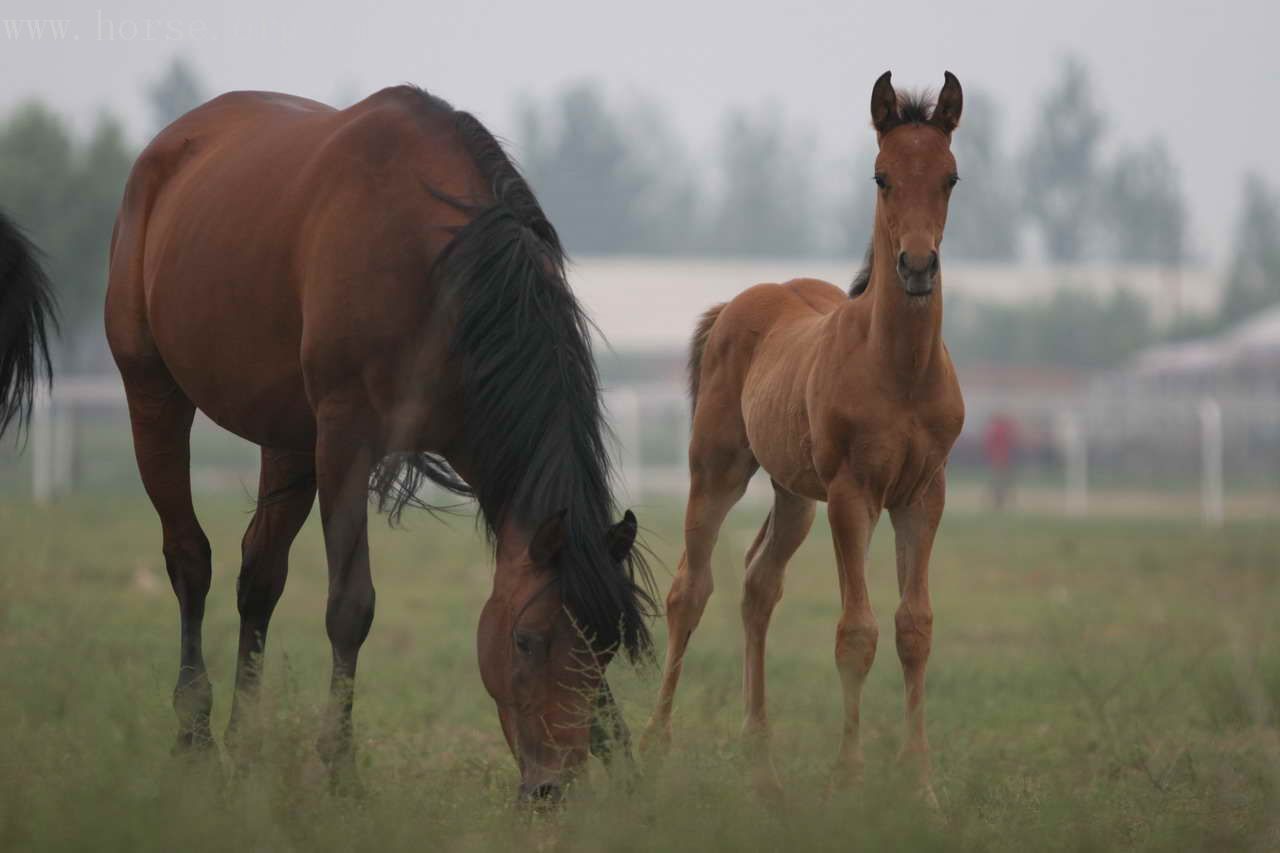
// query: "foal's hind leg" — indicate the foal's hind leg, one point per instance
point(914, 528)
point(719, 474)
point(161, 416)
point(783, 532)
point(286, 491)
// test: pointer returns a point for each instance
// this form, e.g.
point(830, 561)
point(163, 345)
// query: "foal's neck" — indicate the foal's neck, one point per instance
point(906, 331)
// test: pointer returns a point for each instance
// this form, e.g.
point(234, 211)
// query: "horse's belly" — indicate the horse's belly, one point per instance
point(778, 433)
point(235, 354)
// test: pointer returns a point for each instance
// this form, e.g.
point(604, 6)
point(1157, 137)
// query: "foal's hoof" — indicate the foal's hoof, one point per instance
point(844, 776)
point(766, 785)
point(930, 800)
point(655, 740)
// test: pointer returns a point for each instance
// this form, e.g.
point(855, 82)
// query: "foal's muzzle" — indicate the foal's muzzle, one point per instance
point(918, 273)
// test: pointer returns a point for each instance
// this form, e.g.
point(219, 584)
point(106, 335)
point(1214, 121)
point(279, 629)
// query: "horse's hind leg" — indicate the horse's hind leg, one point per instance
point(344, 458)
point(286, 491)
point(783, 532)
point(719, 473)
point(161, 416)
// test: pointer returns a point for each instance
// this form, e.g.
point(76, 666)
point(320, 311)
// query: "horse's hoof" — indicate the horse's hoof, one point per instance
point(197, 743)
point(339, 757)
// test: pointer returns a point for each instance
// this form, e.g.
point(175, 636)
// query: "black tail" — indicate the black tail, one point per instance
point(27, 316)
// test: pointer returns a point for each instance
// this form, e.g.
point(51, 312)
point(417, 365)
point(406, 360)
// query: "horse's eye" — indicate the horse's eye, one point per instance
point(952, 181)
point(880, 181)
point(524, 644)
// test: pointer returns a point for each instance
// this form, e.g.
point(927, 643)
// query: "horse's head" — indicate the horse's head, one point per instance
point(915, 172)
point(543, 668)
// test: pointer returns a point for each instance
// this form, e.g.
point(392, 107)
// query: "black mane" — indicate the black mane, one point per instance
point(863, 278)
point(533, 424)
point(914, 107)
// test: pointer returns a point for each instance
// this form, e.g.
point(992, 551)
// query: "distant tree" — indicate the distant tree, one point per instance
point(1061, 165)
point(987, 331)
point(65, 193)
point(1253, 282)
point(856, 211)
point(178, 90)
point(102, 168)
point(670, 206)
point(601, 176)
point(767, 206)
point(1143, 208)
point(36, 160)
point(983, 219)
point(1073, 328)
point(1078, 329)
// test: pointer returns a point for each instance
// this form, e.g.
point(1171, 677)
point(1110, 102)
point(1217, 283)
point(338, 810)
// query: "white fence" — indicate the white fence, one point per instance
point(1080, 439)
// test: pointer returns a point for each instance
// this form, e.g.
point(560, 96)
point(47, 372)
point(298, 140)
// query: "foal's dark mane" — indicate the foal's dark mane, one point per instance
point(533, 426)
point(914, 107)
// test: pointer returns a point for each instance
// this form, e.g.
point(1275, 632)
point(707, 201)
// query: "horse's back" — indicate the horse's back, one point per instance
point(753, 373)
point(772, 316)
point(240, 208)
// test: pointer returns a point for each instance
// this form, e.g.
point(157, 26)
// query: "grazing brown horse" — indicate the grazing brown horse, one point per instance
point(27, 315)
point(374, 297)
point(848, 398)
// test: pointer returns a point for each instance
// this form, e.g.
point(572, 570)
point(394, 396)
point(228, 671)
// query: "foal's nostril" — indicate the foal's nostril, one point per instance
point(902, 263)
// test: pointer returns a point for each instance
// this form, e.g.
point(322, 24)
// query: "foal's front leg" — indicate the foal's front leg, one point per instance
point(914, 528)
point(344, 459)
point(853, 515)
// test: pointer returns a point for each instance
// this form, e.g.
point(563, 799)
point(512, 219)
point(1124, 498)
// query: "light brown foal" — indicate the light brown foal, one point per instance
point(848, 398)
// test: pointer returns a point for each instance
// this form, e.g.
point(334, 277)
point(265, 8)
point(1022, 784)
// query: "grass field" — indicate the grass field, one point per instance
point(1094, 685)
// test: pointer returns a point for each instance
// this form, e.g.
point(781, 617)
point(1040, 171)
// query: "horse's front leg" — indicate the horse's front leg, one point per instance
point(914, 527)
point(853, 514)
point(344, 458)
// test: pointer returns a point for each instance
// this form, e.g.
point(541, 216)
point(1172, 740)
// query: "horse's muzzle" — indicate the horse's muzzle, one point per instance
point(918, 275)
point(543, 794)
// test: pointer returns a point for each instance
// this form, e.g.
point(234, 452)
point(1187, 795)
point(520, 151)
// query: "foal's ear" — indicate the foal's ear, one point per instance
point(548, 540)
point(946, 115)
point(884, 105)
point(622, 536)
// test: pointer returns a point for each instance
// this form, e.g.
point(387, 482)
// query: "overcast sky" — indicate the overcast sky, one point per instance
point(1204, 75)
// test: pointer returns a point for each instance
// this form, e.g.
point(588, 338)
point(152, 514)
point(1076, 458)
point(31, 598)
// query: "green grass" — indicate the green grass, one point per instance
point(1094, 685)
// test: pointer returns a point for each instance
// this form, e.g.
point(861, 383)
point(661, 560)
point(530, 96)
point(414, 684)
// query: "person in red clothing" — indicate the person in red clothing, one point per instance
point(1001, 442)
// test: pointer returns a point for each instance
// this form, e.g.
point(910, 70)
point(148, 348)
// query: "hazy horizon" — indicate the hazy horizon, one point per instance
point(1177, 71)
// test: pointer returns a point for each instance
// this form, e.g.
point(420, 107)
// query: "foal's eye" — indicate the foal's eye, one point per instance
point(880, 180)
point(952, 181)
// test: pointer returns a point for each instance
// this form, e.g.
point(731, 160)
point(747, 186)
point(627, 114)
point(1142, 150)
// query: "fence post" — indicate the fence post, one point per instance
point(1075, 454)
point(64, 437)
point(624, 410)
point(1212, 504)
point(42, 443)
